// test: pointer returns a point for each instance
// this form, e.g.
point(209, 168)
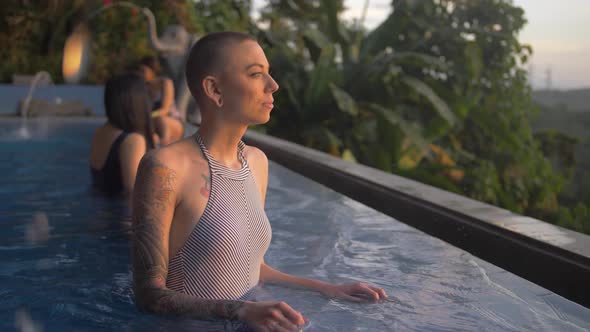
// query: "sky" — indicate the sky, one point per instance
point(558, 31)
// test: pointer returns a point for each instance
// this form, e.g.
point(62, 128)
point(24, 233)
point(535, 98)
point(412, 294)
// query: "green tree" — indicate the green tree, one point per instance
point(229, 15)
point(33, 34)
point(488, 90)
point(437, 93)
point(120, 34)
point(347, 102)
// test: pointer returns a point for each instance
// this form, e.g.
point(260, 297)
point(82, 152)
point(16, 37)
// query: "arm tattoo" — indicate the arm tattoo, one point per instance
point(153, 203)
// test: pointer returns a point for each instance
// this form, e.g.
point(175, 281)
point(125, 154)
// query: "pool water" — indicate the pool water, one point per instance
point(65, 255)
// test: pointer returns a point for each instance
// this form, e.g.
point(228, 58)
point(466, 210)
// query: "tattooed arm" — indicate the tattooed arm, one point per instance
point(154, 200)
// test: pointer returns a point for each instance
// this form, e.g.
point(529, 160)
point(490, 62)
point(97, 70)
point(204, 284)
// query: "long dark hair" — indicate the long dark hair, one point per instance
point(128, 105)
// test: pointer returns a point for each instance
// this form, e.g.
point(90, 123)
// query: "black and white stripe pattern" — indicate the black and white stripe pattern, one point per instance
point(222, 256)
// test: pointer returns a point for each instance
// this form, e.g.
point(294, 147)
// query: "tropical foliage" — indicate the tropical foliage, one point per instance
point(436, 93)
point(33, 34)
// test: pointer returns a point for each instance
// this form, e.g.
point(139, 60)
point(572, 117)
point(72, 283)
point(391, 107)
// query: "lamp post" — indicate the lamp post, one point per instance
point(173, 45)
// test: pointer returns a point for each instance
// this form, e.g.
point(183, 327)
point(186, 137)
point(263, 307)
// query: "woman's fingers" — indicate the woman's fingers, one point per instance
point(366, 290)
point(358, 292)
point(280, 322)
point(291, 314)
point(351, 298)
point(380, 291)
point(277, 327)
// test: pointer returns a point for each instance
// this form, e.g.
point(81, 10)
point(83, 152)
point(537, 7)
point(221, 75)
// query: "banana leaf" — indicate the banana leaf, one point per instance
point(343, 100)
point(321, 75)
point(439, 105)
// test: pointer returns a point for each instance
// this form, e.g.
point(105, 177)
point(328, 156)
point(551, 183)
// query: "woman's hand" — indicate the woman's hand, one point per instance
point(270, 316)
point(355, 292)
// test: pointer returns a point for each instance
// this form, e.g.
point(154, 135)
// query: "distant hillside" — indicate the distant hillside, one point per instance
point(565, 110)
point(577, 100)
point(568, 112)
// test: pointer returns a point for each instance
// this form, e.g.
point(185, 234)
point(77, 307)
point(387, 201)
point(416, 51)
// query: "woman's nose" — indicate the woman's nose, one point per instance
point(273, 86)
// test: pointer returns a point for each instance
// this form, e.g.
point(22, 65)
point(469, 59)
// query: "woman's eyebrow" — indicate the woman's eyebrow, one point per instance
point(255, 65)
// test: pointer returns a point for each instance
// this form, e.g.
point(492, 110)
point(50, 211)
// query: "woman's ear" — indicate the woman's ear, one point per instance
point(212, 90)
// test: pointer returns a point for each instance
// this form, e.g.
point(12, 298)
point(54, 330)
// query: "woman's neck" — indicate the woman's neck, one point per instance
point(222, 143)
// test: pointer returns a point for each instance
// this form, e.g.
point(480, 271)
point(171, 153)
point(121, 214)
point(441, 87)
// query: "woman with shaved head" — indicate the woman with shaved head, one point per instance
point(200, 230)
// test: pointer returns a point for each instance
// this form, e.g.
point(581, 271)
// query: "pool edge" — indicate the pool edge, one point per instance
point(550, 256)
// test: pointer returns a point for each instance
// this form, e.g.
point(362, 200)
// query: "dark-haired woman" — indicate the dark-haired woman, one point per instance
point(119, 144)
point(167, 123)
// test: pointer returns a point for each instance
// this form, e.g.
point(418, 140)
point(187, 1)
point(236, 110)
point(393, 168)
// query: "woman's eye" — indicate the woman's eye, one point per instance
point(255, 74)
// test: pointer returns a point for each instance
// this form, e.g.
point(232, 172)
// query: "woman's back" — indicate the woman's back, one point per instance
point(105, 163)
point(167, 123)
point(114, 157)
point(118, 146)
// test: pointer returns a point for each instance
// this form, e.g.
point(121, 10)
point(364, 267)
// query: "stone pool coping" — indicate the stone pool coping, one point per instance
point(551, 256)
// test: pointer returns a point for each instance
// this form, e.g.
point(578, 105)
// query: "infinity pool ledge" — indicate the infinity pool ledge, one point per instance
point(548, 255)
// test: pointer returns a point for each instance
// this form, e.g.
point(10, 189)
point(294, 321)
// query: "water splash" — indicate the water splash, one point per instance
point(37, 232)
point(24, 323)
point(41, 76)
point(23, 132)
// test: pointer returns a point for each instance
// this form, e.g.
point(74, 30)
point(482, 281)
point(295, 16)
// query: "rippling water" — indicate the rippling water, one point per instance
point(65, 256)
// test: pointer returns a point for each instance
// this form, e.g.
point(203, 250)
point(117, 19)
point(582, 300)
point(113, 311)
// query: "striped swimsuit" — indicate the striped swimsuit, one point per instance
point(221, 257)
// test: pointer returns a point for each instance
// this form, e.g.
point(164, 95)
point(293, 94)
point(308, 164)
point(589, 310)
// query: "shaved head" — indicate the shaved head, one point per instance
point(208, 57)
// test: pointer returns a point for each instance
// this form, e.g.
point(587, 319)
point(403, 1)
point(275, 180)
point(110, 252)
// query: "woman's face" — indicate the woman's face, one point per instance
point(246, 85)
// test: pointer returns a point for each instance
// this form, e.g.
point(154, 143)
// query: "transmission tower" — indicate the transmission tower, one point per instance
point(548, 79)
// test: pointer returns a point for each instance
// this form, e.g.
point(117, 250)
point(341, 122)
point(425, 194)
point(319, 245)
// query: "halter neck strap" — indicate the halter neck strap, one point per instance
point(220, 169)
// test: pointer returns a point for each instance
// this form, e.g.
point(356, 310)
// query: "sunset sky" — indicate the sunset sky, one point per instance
point(559, 32)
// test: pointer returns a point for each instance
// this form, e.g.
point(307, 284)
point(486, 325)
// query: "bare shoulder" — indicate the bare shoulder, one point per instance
point(155, 165)
point(174, 157)
point(134, 140)
point(255, 156)
point(134, 137)
point(180, 158)
point(258, 163)
point(166, 81)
